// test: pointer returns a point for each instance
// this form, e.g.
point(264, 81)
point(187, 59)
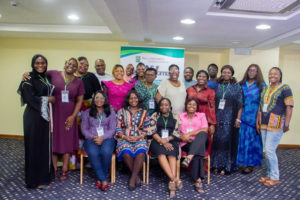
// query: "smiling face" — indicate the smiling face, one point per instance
point(129, 70)
point(188, 74)
point(165, 106)
point(99, 100)
point(202, 79)
point(70, 67)
point(100, 67)
point(274, 76)
point(140, 70)
point(40, 65)
point(226, 74)
point(133, 100)
point(191, 107)
point(118, 73)
point(83, 66)
point(252, 72)
point(174, 73)
point(212, 71)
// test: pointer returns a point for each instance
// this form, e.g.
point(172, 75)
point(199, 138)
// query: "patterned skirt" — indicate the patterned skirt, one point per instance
point(132, 149)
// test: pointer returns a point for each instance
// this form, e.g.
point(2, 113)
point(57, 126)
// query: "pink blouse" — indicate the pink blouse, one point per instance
point(197, 122)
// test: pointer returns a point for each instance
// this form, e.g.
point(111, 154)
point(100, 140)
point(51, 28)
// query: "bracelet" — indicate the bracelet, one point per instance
point(238, 120)
point(167, 138)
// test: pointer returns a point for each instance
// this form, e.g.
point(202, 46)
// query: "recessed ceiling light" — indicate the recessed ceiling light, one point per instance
point(178, 38)
point(235, 41)
point(187, 21)
point(263, 27)
point(73, 17)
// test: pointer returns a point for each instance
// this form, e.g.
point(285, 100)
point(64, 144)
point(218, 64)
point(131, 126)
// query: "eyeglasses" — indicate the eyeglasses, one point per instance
point(252, 70)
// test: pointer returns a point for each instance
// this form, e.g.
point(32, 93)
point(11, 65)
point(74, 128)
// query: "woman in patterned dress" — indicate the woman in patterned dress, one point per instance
point(250, 145)
point(273, 119)
point(132, 128)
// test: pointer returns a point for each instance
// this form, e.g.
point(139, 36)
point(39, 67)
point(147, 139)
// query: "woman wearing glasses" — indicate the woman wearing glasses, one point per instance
point(173, 89)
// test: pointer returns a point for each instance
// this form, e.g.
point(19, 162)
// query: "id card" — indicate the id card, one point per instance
point(65, 96)
point(188, 130)
point(151, 104)
point(222, 104)
point(100, 131)
point(265, 107)
point(164, 133)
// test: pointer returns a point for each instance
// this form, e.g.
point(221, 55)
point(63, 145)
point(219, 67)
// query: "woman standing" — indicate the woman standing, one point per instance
point(127, 76)
point(37, 94)
point(132, 128)
point(69, 92)
point(250, 145)
point(206, 98)
point(117, 89)
point(173, 89)
point(164, 128)
point(276, 106)
point(229, 101)
point(98, 127)
point(140, 72)
point(194, 130)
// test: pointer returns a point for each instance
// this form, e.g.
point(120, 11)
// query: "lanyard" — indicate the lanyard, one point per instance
point(165, 119)
point(82, 76)
point(45, 80)
point(224, 91)
point(191, 120)
point(67, 83)
point(100, 118)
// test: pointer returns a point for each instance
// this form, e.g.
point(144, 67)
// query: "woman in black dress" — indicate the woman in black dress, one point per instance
point(164, 127)
point(37, 94)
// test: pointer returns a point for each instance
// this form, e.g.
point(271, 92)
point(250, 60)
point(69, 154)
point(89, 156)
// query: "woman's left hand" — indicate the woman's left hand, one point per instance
point(98, 140)
point(69, 122)
point(237, 124)
point(185, 138)
point(286, 129)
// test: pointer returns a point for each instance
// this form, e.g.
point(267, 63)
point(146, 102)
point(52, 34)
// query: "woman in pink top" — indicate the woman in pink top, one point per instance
point(194, 129)
point(117, 89)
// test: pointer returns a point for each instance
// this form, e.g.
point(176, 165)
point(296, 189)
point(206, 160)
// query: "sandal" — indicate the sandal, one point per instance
point(98, 185)
point(186, 162)
point(200, 187)
point(104, 187)
point(138, 183)
point(271, 182)
point(43, 187)
point(178, 184)
point(64, 175)
point(215, 171)
point(222, 173)
point(247, 170)
point(172, 188)
point(264, 179)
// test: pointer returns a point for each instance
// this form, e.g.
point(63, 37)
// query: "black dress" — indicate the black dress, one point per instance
point(37, 136)
point(156, 127)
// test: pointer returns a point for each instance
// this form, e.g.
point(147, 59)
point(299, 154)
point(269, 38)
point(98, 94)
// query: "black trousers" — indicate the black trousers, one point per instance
point(197, 148)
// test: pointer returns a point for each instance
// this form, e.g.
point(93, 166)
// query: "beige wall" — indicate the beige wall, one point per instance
point(15, 55)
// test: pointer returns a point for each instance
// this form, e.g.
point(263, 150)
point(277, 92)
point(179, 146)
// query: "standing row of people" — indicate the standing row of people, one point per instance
point(170, 113)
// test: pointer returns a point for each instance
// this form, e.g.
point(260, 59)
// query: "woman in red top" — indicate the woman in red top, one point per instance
point(206, 98)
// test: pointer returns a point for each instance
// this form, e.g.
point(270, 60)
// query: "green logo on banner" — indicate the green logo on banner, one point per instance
point(138, 59)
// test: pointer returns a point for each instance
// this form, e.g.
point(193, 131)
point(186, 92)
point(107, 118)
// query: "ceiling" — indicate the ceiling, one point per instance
point(155, 22)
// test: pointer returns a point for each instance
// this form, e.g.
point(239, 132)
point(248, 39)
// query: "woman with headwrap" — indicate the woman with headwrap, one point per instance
point(37, 94)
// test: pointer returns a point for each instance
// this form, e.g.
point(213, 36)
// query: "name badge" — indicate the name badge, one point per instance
point(188, 130)
point(65, 96)
point(151, 104)
point(222, 104)
point(164, 133)
point(265, 107)
point(100, 131)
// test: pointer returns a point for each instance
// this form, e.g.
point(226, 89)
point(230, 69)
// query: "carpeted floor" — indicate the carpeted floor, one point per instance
point(234, 186)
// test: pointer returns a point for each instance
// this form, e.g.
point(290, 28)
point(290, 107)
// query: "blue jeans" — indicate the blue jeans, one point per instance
point(100, 156)
point(270, 142)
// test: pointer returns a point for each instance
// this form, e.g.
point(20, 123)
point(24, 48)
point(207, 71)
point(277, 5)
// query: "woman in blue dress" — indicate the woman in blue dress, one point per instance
point(229, 101)
point(250, 144)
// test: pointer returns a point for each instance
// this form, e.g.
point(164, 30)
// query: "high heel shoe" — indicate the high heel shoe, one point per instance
point(172, 188)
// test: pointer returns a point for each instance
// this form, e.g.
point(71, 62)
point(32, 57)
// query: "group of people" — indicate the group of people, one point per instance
point(232, 121)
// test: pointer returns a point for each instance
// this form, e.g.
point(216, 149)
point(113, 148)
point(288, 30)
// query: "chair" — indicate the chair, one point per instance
point(83, 154)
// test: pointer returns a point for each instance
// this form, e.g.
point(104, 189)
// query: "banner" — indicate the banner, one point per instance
point(155, 57)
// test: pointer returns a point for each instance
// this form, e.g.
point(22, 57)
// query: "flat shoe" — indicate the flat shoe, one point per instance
point(43, 187)
point(104, 187)
point(272, 182)
point(200, 187)
point(264, 179)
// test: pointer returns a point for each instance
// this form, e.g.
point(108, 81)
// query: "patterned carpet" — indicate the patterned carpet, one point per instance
point(234, 186)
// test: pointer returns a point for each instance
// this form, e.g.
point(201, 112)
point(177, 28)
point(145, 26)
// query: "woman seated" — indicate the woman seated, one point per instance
point(194, 127)
point(164, 127)
point(98, 127)
point(132, 127)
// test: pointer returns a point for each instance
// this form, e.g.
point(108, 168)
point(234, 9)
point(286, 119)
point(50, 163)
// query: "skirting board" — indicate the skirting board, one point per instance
point(21, 137)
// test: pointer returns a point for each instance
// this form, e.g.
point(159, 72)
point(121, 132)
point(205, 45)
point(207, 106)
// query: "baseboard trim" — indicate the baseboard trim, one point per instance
point(21, 137)
point(16, 137)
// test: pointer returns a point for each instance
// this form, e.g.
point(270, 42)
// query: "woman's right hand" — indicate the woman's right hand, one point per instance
point(130, 139)
point(258, 127)
point(168, 146)
point(51, 99)
point(26, 76)
point(98, 140)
